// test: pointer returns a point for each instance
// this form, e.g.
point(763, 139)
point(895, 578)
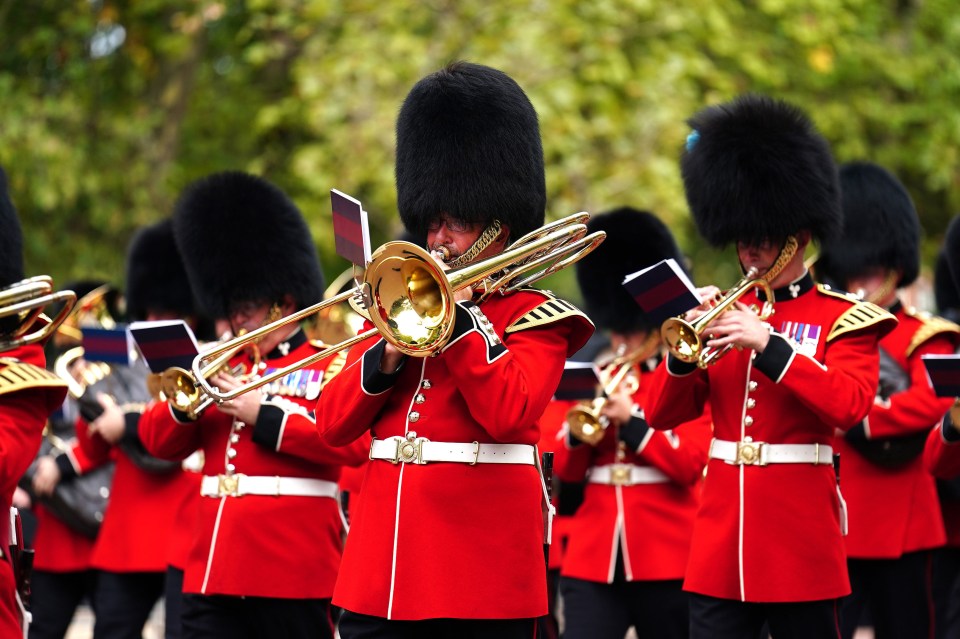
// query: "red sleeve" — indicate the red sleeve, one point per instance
point(164, 436)
point(94, 448)
point(680, 453)
point(941, 456)
point(23, 414)
point(677, 394)
point(916, 408)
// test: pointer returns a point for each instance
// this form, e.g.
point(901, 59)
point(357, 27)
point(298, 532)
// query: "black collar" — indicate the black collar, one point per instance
point(896, 307)
point(287, 346)
point(791, 291)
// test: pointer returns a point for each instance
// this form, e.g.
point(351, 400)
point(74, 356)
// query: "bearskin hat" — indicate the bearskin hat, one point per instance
point(242, 239)
point(635, 240)
point(756, 169)
point(11, 238)
point(468, 144)
point(880, 227)
point(156, 277)
point(951, 249)
point(945, 292)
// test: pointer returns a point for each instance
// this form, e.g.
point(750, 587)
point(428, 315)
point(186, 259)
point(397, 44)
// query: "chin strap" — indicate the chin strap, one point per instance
point(491, 233)
point(786, 254)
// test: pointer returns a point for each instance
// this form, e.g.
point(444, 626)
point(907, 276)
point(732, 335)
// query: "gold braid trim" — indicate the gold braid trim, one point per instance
point(335, 366)
point(486, 238)
point(857, 317)
point(551, 310)
point(16, 375)
point(932, 326)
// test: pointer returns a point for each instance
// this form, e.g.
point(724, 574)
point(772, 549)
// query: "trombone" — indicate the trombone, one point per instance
point(409, 297)
point(22, 303)
point(586, 420)
point(685, 339)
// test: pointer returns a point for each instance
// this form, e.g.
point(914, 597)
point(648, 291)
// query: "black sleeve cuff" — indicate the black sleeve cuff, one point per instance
point(949, 430)
point(180, 416)
point(775, 358)
point(266, 431)
point(634, 432)
point(373, 380)
point(572, 442)
point(463, 321)
point(679, 368)
point(857, 434)
point(67, 471)
point(131, 434)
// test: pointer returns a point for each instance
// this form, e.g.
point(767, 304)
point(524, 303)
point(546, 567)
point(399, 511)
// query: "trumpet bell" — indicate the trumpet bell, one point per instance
point(681, 337)
point(586, 423)
point(178, 387)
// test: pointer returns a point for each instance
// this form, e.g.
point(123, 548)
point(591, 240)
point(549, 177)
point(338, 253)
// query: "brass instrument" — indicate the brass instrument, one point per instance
point(685, 339)
point(70, 366)
point(586, 420)
point(22, 303)
point(181, 389)
point(410, 298)
point(77, 372)
point(337, 322)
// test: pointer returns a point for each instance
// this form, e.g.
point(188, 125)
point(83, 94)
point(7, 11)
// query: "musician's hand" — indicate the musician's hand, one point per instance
point(738, 326)
point(245, 407)
point(707, 295)
point(618, 407)
point(47, 476)
point(21, 499)
point(111, 423)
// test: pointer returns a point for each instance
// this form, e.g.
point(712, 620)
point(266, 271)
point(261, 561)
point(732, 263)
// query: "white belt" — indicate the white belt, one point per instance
point(626, 475)
point(751, 453)
point(420, 450)
point(239, 485)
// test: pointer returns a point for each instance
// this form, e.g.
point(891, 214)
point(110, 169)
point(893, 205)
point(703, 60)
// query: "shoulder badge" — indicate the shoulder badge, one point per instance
point(335, 366)
point(843, 295)
point(16, 375)
point(931, 326)
point(552, 309)
point(857, 317)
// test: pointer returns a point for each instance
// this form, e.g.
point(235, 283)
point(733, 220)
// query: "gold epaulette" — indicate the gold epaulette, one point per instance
point(552, 309)
point(336, 365)
point(932, 326)
point(16, 375)
point(858, 317)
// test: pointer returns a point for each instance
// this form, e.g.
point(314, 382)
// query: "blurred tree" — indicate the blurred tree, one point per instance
point(111, 106)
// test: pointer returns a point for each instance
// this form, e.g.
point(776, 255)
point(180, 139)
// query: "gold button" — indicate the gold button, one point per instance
point(419, 399)
point(752, 385)
point(751, 402)
point(414, 416)
point(426, 384)
point(231, 468)
point(748, 421)
point(234, 438)
point(231, 453)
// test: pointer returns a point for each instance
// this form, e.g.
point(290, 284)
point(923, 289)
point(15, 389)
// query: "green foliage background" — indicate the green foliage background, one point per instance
point(109, 107)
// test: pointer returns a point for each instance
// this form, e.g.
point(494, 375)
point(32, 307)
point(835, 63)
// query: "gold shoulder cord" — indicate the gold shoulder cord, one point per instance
point(858, 316)
point(932, 326)
point(551, 310)
point(486, 238)
point(16, 375)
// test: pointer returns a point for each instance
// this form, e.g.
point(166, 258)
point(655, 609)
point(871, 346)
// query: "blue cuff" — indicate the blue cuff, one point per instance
point(775, 358)
point(266, 431)
point(634, 432)
point(373, 380)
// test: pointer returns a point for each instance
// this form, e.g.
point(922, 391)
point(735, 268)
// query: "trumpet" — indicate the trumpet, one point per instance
point(22, 303)
point(685, 339)
point(586, 420)
point(410, 298)
point(181, 388)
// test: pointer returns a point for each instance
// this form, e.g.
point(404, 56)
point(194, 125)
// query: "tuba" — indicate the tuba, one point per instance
point(586, 420)
point(410, 298)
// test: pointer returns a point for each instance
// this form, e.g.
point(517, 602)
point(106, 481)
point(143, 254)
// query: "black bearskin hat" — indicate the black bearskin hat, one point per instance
point(880, 227)
point(951, 249)
point(156, 277)
point(756, 169)
point(11, 238)
point(635, 240)
point(468, 144)
point(945, 291)
point(242, 239)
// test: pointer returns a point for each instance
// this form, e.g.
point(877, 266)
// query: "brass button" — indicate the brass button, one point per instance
point(234, 438)
point(751, 402)
point(231, 468)
point(748, 421)
point(414, 416)
point(419, 399)
point(231, 453)
point(752, 385)
point(426, 384)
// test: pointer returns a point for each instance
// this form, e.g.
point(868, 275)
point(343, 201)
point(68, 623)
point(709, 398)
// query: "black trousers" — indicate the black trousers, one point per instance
point(123, 601)
point(946, 592)
point(357, 626)
point(255, 617)
point(54, 599)
point(657, 609)
point(173, 604)
point(899, 593)
point(712, 618)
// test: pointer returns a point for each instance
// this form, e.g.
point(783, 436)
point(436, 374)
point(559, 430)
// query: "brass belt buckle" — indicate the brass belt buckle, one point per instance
point(620, 475)
point(228, 485)
point(408, 449)
point(748, 453)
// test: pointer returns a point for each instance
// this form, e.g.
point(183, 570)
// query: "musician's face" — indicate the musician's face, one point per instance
point(870, 284)
point(251, 315)
point(452, 234)
point(762, 255)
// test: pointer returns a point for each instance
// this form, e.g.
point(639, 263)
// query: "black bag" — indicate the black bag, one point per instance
point(889, 452)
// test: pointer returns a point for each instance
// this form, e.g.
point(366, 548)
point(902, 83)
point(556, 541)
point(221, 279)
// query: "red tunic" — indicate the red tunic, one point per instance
point(25, 404)
point(253, 545)
point(896, 510)
point(551, 440)
point(772, 533)
point(651, 522)
point(450, 540)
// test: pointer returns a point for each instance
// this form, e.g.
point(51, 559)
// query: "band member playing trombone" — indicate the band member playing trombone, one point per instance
point(767, 542)
point(628, 542)
point(895, 519)
point(268, 537)
point(28, 395)
point(447, 536)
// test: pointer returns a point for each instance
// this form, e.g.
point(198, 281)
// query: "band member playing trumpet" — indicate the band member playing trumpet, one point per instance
point(28, 395)
point(628, 542)
point(268, 537)
point(447, 536)
point(767, 542)
point(895, 519)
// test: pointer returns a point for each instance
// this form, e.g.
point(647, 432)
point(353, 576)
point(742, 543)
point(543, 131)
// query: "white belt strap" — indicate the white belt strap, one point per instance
point(626, 475)
point(420, 450)
point(240, 485)
point(751, 453)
